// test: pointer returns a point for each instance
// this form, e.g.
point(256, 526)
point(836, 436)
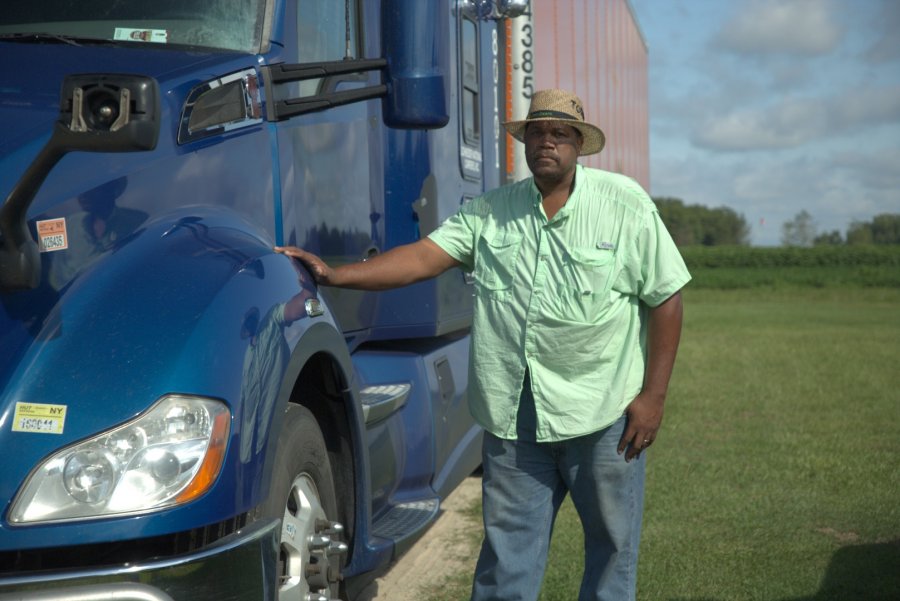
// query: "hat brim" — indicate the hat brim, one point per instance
point(592, 136)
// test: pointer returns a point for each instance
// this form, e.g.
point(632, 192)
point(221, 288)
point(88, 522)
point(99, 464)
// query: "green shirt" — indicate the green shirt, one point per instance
point(565, 299)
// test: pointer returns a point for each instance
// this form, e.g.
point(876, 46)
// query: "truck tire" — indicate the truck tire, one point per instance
point(303, 496)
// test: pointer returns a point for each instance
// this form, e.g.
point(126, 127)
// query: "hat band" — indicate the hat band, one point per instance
point(551, 114)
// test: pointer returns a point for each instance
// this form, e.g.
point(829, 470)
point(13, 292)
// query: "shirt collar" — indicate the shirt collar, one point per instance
point(576, 192)
point(573, 197)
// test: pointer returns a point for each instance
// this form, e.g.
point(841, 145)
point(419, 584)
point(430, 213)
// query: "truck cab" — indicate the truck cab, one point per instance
point(184, 413)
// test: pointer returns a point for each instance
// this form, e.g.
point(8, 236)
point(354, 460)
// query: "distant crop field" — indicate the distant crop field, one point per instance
point(777, 471)
point(737, 267)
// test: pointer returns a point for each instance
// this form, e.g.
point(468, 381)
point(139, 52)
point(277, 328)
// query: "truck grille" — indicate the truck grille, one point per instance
point(100, 555)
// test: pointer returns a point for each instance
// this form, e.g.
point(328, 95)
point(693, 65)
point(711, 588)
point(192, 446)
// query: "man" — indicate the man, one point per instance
point(576, 325)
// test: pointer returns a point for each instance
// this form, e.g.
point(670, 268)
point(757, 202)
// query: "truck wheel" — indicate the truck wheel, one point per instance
point(303, 496)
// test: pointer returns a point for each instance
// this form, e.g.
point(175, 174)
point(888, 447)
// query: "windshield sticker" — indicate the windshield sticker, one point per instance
point(141, 35)
point(52, 235)
point(37, 417)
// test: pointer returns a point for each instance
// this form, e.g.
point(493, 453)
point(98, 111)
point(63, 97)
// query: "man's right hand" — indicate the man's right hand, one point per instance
point(320, 271)
point(400, 266)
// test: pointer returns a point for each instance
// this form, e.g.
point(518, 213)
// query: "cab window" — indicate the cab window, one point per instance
point(469, 76)
point(327, 30)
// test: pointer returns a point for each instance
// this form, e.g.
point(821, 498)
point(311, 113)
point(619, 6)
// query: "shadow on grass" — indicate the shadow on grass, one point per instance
point(855, 573)
point(862, 573)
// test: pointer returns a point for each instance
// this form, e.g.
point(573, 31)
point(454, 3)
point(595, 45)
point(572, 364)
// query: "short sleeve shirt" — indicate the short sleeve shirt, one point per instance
point(565, 299)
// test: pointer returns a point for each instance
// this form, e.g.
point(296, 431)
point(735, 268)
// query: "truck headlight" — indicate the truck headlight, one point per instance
point(167, 456)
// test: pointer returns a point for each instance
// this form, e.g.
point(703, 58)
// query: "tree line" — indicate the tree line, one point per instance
point(802, 231)
point(698, 225)
point(691, 225)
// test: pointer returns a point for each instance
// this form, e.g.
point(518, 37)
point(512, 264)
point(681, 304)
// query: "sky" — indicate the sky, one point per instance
point(773, 107)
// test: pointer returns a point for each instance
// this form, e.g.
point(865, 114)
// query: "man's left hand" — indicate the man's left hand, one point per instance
point(645, 412)
point(644, 415)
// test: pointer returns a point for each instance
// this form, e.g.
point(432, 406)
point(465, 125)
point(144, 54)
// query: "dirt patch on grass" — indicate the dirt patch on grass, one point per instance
point(843, 537)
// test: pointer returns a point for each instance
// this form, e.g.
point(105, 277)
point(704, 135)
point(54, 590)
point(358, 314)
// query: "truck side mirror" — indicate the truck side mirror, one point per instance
point(109, 113)
point(414, 42)
point(98, 113)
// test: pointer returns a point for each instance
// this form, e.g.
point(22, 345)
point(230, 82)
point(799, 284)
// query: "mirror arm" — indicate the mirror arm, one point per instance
point(284, 73)
point(20, 262)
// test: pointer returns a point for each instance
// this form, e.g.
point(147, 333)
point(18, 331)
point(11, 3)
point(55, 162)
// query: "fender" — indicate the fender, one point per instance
point(323, 338)
point(168, 310)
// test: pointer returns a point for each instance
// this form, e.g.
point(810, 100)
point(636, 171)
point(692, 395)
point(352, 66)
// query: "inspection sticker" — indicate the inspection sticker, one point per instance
point(37, 417)
point(52, 235)
point(141, 35)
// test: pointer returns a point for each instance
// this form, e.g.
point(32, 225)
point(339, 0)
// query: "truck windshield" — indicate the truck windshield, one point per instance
point(219, 24)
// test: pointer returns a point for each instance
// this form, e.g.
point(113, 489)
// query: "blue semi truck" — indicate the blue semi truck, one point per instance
point(183, 413)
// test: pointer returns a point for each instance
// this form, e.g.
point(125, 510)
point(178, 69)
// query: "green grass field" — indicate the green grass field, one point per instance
point(777, 473)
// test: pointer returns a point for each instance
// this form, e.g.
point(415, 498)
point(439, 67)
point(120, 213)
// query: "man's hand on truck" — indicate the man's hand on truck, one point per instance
point(397, 267)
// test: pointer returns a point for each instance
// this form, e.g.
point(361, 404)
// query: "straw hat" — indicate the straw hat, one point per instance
point(559, 105)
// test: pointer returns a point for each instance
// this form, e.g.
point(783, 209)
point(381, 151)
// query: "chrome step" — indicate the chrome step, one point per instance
point(405, 522)
point(382, 400)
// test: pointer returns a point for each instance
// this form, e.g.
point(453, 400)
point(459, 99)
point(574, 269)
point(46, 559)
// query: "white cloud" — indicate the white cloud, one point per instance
point(788, 124)
point(873, 106)
point(791, 122)
point(791, 75)
point(878, 170)
point(765, 27)
point(887, 45)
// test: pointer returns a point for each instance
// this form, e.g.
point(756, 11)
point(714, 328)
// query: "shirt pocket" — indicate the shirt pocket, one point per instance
point(589, 270)
point(495, 264)
point(582, 293)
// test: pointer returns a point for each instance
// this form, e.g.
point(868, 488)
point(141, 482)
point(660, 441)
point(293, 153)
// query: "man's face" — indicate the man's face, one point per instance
point(551, 149)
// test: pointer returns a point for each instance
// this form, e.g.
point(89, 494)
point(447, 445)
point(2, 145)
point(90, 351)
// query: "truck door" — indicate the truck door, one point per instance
point(476, 135)
point(479, 97)
point(329, 204)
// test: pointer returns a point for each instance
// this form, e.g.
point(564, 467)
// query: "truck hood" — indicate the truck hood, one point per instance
point(77, 340)
point(31, 77)
point(129, 329)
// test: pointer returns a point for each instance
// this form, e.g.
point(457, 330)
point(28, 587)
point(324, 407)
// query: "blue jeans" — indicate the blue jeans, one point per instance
point(524, 484)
